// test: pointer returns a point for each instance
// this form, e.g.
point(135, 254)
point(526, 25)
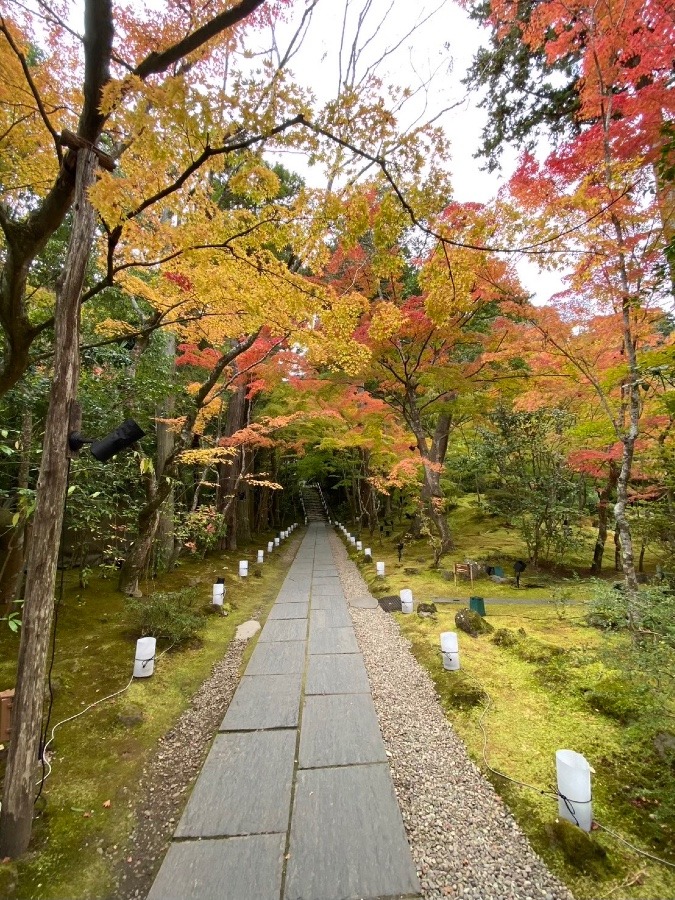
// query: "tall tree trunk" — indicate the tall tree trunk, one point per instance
point(604, 499)
point(275, 513)
point(230, 474)
point(165, 446)
point(138, 557)
point(617, 549)
point(244, 500)
point(632, 387)
point(38, 613)
point(158, 490)
point(433, 456)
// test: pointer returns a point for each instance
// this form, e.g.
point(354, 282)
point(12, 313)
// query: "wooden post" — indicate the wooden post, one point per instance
point(6, 703)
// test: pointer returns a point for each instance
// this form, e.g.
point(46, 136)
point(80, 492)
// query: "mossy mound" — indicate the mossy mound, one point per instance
point(380, 586)
point(472, 623)
point(460, 691)
point(617, 699)
point(534, 651)
point(504, 637)
point(426, 610)
point(579, 849)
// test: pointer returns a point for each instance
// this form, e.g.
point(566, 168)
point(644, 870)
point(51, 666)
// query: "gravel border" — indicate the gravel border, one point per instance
point(464, 840)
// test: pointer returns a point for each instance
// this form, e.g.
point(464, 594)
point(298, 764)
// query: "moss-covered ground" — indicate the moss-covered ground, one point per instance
point(554, 682)
point(87, 803)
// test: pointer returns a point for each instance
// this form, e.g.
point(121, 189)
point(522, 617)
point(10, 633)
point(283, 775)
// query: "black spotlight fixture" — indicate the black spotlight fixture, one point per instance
point(127, 434)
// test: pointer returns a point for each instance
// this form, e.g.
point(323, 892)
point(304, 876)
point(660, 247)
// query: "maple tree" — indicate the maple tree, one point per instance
point(594, 199)
point(578, 360)
point(560, 72)
point(423, 354)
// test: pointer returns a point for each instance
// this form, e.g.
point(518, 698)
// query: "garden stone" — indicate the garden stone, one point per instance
point(247, 630)
point(411, 570)
point(426, 610)
point(470, 622)
point(664, 744)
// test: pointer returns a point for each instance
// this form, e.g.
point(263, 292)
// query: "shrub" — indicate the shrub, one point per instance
point(175, 616)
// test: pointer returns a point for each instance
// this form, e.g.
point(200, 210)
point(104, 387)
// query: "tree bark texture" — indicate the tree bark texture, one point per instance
point(230, 475)
point(19, 789)
point(165, 447)
point(604, 499)
point(433, 456)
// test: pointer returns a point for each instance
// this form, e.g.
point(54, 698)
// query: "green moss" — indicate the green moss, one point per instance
point(617, 699)
point(472, 623)
point(532, 650)
point(579, 849)
point(530, 718)
point(504, 637)
point(459, 691)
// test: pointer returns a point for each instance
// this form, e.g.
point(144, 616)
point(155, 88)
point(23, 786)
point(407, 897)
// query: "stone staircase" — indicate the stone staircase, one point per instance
point(313, 504)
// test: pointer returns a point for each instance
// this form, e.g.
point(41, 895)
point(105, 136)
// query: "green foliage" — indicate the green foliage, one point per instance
point(525, 95)
point(13, 621)
point(175, 616)
point(527, 480)
point(200, 530)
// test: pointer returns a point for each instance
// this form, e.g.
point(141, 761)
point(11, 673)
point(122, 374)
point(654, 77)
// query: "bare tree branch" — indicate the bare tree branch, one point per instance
point(155, 62)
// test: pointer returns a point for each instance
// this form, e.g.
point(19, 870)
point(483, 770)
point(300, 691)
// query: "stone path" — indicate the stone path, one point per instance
point(295, 800)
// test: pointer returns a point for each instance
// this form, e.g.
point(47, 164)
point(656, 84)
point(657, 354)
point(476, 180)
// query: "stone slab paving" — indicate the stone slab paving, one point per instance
point(332, 640)
point(264, 702)
point(330, 617)
point(347, 836)
point(290, 610)
point(284, 630)
point(336, 673)
point(222, 869)
point(327, 601)
point(277, 658)
point(295, 800)
point(238, 768)
point(340, 730)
